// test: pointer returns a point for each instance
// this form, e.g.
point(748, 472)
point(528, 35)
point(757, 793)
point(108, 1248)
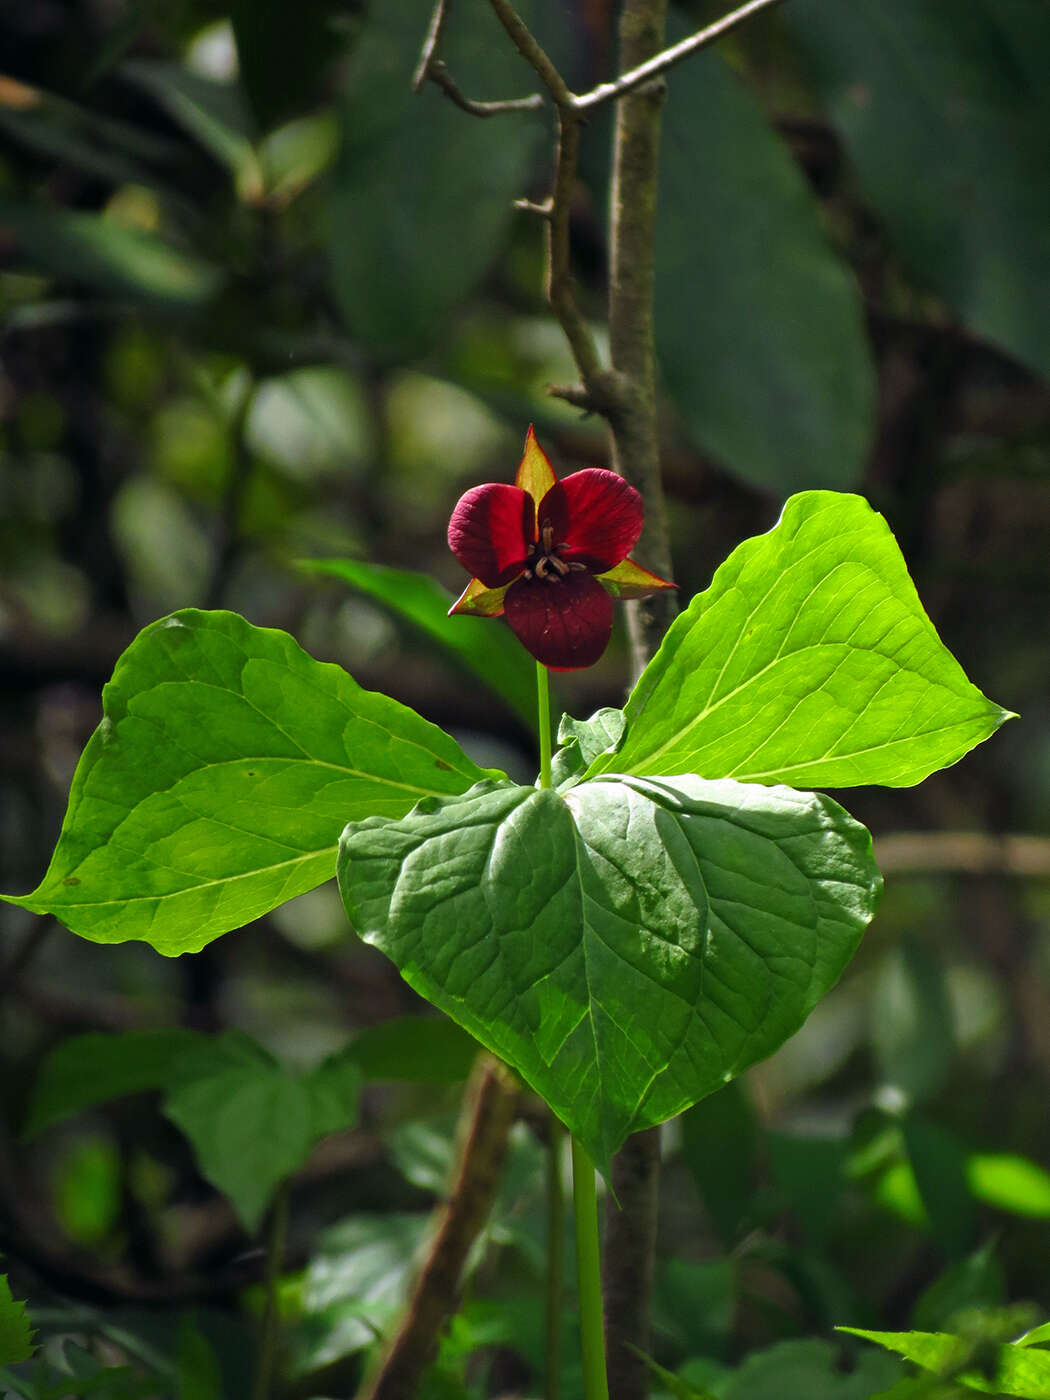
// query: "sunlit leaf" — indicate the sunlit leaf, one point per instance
point(216, 786)
point(628, 946)
point(808, 661)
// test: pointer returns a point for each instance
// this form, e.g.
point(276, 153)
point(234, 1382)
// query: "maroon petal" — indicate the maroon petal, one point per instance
point(490, 532)
point(596, 516)
point(564, 622)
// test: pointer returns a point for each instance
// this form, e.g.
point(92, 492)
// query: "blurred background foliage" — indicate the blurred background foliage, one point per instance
point(263, 305)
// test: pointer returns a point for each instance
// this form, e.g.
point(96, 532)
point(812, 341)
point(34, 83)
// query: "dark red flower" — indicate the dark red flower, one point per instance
point(550, 556)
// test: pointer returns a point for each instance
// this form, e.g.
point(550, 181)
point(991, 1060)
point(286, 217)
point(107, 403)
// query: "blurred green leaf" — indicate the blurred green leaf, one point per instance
point(86, 1070)
point(808, 1370)
point(939, 1161)
point(693, 1303)
point(912, 1029)
point(422, 193)
point(94, 251)
point(211, 112)
point(974, 1282)
point(719, 1146)
point(419, 1049)
point(483, 645)
point(87, 1189)
point(16, 1337)
point(810, 1172)
point(252, 1124)
point(1009, 1182)
point(759, 325)
point(945, 111)
point(216, 786)
point(282, 52)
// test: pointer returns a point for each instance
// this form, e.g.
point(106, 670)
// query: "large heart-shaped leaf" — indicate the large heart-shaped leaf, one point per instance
point(217, 784)
point(628, 946)
point(808, 661)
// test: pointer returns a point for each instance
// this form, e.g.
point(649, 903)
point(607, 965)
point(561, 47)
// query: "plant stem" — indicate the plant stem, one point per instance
point(543, 696)
point(588, 1275)
point(555, 1257)
point(263, 1384)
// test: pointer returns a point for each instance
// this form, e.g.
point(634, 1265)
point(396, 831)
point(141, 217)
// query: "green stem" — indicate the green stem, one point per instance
point(543, 696)
point(555, 1257)
point(588, 1274)
point(263, 1384)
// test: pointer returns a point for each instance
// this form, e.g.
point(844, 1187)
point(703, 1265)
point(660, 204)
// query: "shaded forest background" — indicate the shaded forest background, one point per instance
point(262, 304)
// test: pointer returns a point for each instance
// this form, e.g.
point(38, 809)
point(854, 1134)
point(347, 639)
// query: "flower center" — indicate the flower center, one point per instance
point(543, 561)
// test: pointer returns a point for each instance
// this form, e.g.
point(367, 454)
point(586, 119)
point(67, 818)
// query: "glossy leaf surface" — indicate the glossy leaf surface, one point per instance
point(217, 784)
point(809, 661)
point(759, 325)
point(628, 946)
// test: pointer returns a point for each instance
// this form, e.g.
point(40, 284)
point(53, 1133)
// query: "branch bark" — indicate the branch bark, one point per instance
point(491, 1105)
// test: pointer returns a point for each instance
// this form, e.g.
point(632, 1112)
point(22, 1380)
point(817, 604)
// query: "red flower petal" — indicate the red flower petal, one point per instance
point(596, 516)
point(566, 622)
point(490, 532)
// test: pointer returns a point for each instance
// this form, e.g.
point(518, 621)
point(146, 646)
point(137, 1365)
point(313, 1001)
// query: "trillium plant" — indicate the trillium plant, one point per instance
point(669, 901)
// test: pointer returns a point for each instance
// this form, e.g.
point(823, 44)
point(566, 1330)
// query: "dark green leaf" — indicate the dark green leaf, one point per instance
point(1003, 1368)
point(809, 1171)
point(252, 1124)
point(719, 1145)
point(945, 112)
point(212, 112)
point(628, 947)
point(486, 646)
point(91, 1069)
point(421, 1049)
point(806, 1370)
point(16, 1337)
point(215, 788)
point(913, 1033)
point(938, 1160)
point(282, 50)
point(759, 324)
point(401, 262)
point(808, 661)
point(89, 249)
point(693, 1304)
point(974, 1282)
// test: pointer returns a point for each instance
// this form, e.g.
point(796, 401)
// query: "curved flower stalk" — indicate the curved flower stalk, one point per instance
point(551, 556)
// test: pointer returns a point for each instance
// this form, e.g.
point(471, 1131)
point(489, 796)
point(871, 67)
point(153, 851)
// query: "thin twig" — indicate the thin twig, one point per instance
point(438, 73)
point(963, 853)
point(430, 44)
point(532, 52)
point(667, 58)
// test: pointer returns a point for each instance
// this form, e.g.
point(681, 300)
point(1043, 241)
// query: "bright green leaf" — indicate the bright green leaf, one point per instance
point(16, 1337)
point(808, 661)
point(86, 248)
point(759, 324)
point(86, 1070)
point(1009, 1182)
point(489, 649)
point(216, 786)
point(628, 946)
point(1002, 1368)
point(945, 112)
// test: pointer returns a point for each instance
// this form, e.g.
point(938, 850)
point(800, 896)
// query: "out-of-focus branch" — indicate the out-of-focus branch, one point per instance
point(491, 1105)
point(963, 853)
